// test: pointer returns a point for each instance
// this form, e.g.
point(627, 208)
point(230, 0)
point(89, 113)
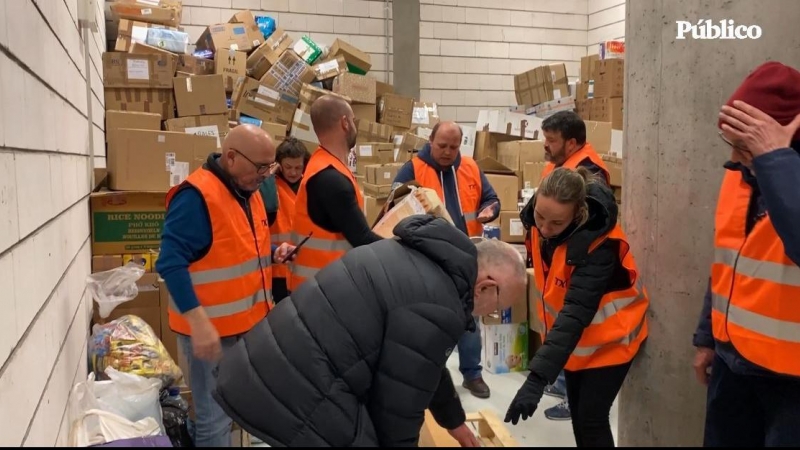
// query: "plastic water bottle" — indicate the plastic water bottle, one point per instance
point(174, 399)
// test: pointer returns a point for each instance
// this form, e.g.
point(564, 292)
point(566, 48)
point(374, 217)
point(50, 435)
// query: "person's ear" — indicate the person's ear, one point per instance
point(485, 283)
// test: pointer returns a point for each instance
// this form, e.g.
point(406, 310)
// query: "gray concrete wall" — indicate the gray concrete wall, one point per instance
point(405, 50)
point(674, 89)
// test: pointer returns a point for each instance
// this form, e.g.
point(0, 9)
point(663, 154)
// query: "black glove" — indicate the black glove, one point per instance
point(527, 399)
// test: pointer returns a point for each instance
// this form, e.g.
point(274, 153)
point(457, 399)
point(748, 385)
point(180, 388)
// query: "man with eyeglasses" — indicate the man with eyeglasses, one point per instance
point(355, 356)
point(749, 331)
point(215, 259)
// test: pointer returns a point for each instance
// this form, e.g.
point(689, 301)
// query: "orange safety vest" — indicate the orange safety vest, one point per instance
point(468, 182)
point(755, 287)
point(281, 230)
point(587, 152)
point(620, 325)
point(323, 247)
point(233, 281)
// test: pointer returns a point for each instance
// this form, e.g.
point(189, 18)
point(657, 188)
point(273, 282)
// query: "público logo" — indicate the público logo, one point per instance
point(726, 29)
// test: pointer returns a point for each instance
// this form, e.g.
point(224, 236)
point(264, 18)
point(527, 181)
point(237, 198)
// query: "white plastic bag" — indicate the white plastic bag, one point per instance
point(114, 287)
point(97, 427)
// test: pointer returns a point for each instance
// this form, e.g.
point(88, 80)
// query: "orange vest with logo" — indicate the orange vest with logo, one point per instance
point(587, 152)
point(323, 247)
point(281, 230)
point(468, 182)
point(620, 325)
point(755, 287)
point(233, 281)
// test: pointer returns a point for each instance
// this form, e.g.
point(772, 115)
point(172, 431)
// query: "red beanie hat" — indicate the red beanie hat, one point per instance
point(773, 88)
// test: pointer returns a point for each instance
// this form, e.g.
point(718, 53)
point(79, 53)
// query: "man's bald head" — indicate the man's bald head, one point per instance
point(446, 127)
point(247, 153)
point(247, 139)
point(327, 113)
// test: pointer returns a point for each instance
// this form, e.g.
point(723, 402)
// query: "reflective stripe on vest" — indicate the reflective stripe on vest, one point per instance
point(575, 160)
point(233, 280)
point(606, 341)
point(754, 285)
point(323, 247)
point(470, 188)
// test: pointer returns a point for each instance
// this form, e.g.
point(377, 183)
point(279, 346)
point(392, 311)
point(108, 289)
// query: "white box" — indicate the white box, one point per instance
point(510, 123)
point(505, 347)
point(302, 128)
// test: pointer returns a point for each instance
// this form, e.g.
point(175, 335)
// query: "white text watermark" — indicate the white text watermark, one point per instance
point(724, 29)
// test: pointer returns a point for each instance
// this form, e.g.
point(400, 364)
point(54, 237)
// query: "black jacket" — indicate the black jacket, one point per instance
point(356, 354)
point(595, 274)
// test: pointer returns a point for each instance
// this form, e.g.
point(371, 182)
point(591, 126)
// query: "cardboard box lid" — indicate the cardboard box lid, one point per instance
point(491, 165)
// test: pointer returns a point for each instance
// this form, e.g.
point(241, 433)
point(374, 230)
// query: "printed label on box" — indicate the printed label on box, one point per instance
point(170, 160)
point(267, 92)
point(419, 116)
point(139, 34)
point(365, 150)
point(138, 69)
point(147, 12)
point(208, 130)
point(179, 173)
point(515, 227)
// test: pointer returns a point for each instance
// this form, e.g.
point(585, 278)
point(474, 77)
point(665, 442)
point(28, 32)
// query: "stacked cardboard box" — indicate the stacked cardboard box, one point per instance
point(616, 169)
point(600, 90)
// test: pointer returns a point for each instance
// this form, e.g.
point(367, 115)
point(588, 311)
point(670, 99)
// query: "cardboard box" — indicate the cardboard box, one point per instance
point(307, 49)
point(382, 174)
point(582, 91)
point(510, 123)
point(532, 174)
point(147, 260)
point(141, 160)
point(309, 94)
point(372, 207)
point(360, 88)
point(418, 201)
point(486, 144)
point(159, 101)
point(395, 110)
point(511, 229)
point(128, 119)
point(407, 145)
point(214, 125)
point(609, 78)
point(232, 65)
point(611, 50)
point(615, 171)
point(126, 222)
point(288, 74)
point(138, 48)
point(302, 128)
point(122, 70)
point(200, 95)
point(382, 88)
point(373, 132)
point(330, 68)
point(246, 18)
point(195, 66)
point(103, 263)
point(380, 191)
point(587, 67)
point(224, 36)
point(268, 53)
point(358, 61)
point(425, 114)
point(507, 188)
point(505, 347)
point(515, 154)
point(267, 108)
point(607, 110)
point(541, 84)
point(599, 135)
point(146, 305)
point(365, 112)
point(372, 153)
point(163, 12)
point(516, 314)
point(130, 32)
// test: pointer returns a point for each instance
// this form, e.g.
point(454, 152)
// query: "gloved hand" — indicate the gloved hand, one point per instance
point(527, 399)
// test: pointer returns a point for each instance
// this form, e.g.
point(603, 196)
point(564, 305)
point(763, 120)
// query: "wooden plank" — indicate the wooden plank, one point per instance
point(499, 430)
point(432, 435)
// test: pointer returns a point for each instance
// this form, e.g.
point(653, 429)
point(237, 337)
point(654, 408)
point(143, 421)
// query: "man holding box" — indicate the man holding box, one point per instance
point(471, 201)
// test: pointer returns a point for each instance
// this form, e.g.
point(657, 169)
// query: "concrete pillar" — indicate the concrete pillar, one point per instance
point(405, 32)
point(673, 168)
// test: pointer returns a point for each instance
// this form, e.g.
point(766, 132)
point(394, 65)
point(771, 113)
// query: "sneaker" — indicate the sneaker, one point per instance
point(559, 412)
point(553, 392)
point(477, 387)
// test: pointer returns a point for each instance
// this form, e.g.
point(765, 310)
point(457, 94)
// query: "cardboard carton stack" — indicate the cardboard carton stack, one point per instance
point(616, 169)
point(600, 90)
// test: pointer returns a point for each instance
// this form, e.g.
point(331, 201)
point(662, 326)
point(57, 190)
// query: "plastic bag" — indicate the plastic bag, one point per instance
point(130, 345)
point(114, 287)
point(266, 25)
point(170, 40)
point(176, 418)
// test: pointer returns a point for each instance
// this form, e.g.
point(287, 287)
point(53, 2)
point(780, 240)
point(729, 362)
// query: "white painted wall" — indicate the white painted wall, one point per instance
point(44, 214)
point(606, 22)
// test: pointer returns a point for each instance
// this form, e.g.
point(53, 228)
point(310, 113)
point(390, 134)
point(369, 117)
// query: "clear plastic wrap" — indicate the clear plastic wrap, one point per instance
point(114, 287)
point(130, 345)
point(170, 40)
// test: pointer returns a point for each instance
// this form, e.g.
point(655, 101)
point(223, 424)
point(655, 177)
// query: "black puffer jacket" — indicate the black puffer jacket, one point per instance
point(355, 355)
point(595, 274)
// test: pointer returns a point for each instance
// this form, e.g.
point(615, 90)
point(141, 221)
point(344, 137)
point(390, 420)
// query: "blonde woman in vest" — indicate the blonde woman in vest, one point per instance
point(591, 304)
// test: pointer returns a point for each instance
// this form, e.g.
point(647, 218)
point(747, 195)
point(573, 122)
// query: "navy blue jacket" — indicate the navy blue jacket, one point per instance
point(775, 190)
point(448, 176)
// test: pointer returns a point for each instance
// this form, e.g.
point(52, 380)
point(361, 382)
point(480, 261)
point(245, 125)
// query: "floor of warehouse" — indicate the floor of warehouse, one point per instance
point(539, 432)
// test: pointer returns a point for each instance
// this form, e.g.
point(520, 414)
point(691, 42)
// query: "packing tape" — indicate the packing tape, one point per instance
point(189, 84)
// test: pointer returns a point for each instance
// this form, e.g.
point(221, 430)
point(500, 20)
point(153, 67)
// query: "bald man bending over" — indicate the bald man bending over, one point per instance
point(328, 205)
point(215, 258)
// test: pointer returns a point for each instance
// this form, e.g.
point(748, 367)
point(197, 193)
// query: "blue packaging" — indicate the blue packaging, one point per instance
point(249, 120)
point(491, 232)
point(170, 40)
point(266, 25)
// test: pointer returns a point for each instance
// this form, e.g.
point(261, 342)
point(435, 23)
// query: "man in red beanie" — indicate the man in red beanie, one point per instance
point(749, 331)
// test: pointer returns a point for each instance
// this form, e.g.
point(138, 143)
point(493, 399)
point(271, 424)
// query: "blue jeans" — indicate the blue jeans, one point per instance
point(561, 384)
point(469, 354)
point(212, 427)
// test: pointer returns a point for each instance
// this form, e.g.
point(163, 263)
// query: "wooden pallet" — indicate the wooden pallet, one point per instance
point(488, 428)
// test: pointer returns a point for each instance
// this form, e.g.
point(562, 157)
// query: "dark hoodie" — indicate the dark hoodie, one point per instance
point(356, 354)
point(447, 176)
point(595, 274)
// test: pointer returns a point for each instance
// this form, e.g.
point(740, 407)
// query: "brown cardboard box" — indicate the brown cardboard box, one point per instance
point(425, 115)
point(214, 125)
point(421, 199)
point(145, 305)
point(395, 110)
point(200, 95)
point(581, 91)
point(360, 88)
point(357, 61)
point(225, 36)
point(243, 84)
point(532, 174)
point(141, 160)
point(607, 110)
point(599, 135)
point(582, 109)
point(126, 222)
point(232, 65)
point(373, 132)
point(382, 174)
point(160, 101)
point(407, 145)
point(609, 78)
point(515, 154)
point(128, 119)
point(372, 207)
point(302, 128)
point(103, 263)
point(382, 88)
point(330, 68)
point(130, 31)
point(380, 191)
point(267, 108)
point(541, 84)
point(309, 94)
point(511, 229)
point(534, 302)
point(267, 54)
point(587, 67)
point(507, 188)
point(365, 112)
point(373, 153)
point(194, 65)
point(163, 12)
point(618, 192)
point(288, 74)
point(138, 48)
point(486, 143)
point(247, 19)
point(147, 260)
point(615, 171)
point(122, 70)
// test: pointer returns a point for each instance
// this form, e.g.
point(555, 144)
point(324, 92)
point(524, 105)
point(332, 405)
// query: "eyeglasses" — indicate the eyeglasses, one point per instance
point(497, 310)
point(260, 167)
